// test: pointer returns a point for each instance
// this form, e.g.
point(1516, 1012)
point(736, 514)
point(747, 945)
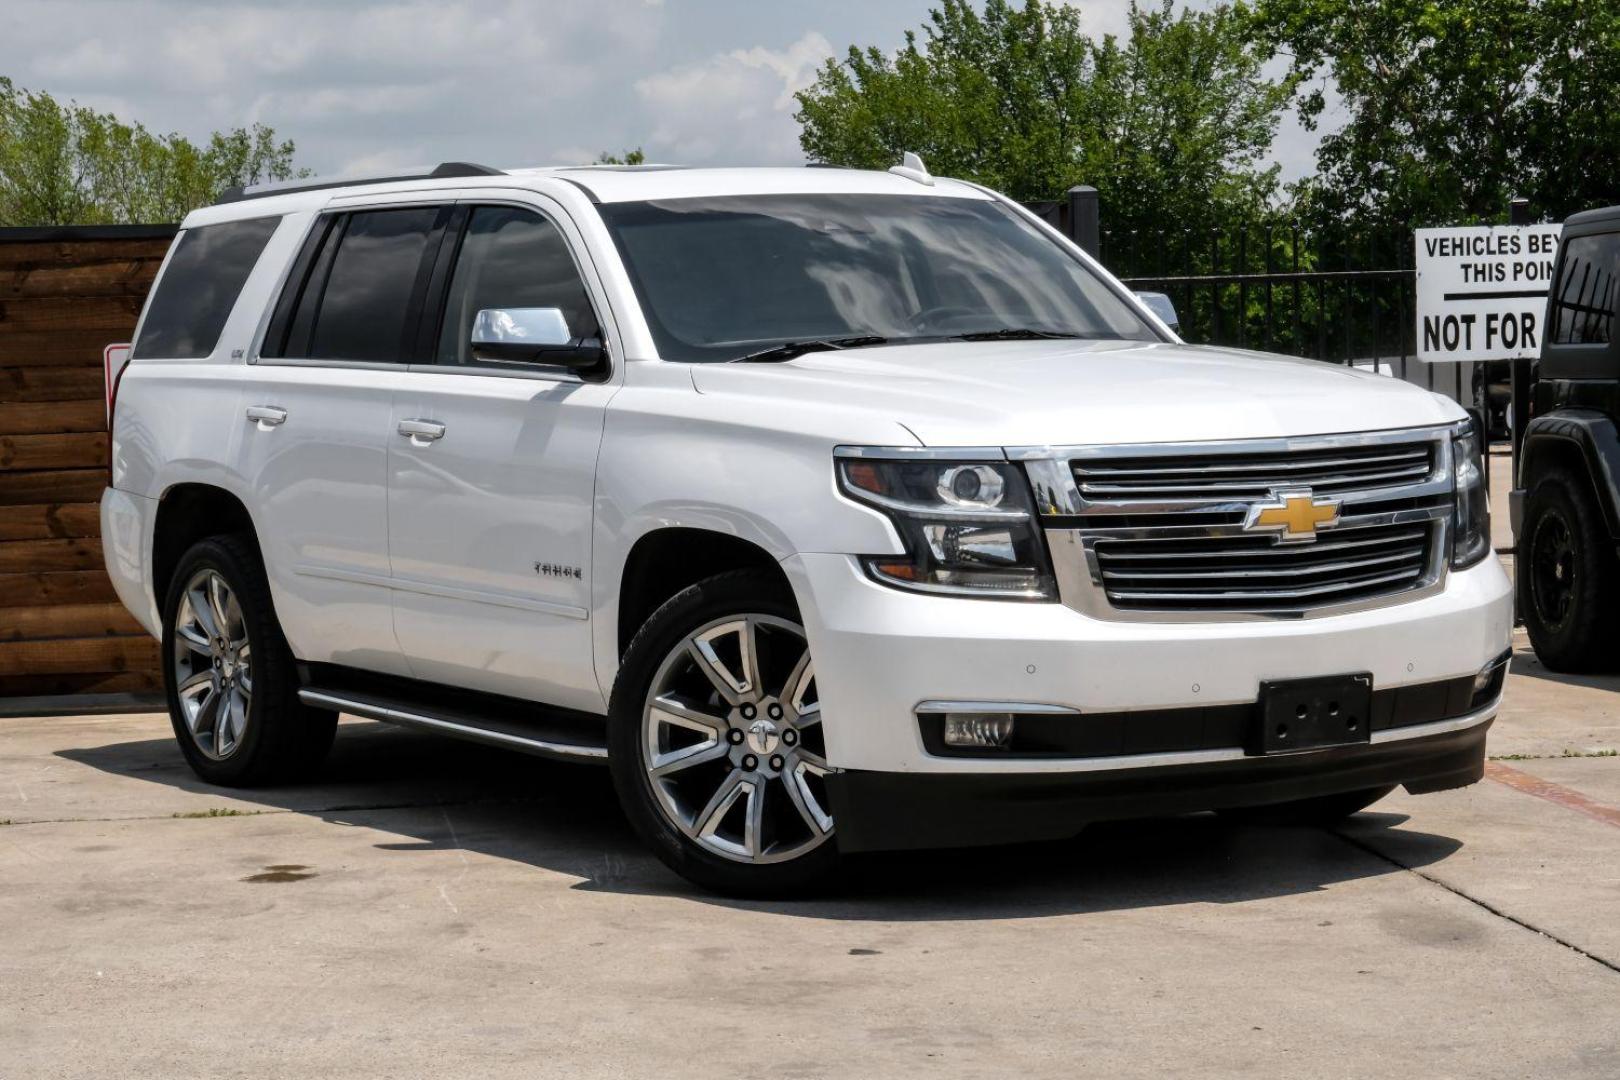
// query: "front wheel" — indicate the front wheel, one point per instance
point(717, 748)
point(1571, 581)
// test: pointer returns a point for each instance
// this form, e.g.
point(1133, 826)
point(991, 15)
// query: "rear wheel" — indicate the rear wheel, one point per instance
point(1321, 810)
point(1571, 605)
point(718, 753)
point(232, 687)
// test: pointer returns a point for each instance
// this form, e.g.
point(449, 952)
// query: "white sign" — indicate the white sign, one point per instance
point(1482, 291)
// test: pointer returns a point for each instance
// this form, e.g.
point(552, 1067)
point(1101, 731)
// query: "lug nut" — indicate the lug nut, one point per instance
point(776, 762)
point(750, 762)
point(734, 736)
point(790, 737)
point(748, 712)
point(775, 711)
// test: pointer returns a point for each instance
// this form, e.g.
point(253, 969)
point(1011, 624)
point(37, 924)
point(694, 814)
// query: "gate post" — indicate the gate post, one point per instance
point(1085, 219)
point(1519, 370)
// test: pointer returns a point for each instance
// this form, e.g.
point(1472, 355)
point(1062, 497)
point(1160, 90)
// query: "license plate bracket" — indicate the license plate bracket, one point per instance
point(1313, 714)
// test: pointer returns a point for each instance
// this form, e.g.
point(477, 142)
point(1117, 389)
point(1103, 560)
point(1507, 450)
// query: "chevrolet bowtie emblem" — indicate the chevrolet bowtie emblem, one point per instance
point(1293, 515)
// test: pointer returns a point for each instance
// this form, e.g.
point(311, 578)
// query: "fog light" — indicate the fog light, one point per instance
point(1488, 683)
point(979, 731)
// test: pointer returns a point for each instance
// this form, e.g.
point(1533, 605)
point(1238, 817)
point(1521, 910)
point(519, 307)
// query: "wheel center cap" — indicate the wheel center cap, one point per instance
point(763, 736)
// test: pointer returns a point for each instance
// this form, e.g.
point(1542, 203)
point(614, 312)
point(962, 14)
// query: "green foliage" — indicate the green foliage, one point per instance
point(64, 164)
point(1454, 106)
point(1169, 124)
point(629, 157)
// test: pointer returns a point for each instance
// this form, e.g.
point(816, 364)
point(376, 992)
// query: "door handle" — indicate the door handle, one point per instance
point(421, 432)
point(266, 416)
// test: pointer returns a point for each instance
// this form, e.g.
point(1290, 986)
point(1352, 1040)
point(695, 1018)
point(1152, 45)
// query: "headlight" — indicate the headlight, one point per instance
point(968, 526)
point(1471, 527)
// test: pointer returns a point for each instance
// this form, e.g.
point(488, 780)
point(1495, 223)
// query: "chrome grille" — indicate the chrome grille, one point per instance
point(1205, 477)
point(1219, 573)
point(1159, 531)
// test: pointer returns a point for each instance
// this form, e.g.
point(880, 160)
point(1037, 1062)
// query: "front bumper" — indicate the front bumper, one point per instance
point(887, 811)
point(881, 652)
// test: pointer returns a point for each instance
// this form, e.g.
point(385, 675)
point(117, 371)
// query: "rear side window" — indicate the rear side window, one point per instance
point(200, 285)
point(357, 301)
point(1583, 297)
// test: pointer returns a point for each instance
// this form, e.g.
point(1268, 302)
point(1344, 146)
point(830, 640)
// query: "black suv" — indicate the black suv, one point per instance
point(1566, 511)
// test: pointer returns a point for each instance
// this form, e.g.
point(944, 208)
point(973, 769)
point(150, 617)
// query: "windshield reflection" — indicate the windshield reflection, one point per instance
point(725, 277)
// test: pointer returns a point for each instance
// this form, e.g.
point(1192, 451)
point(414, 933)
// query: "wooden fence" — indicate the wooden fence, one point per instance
point(64, 295)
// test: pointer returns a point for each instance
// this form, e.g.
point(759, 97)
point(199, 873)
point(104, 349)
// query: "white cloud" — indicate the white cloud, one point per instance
point(362, 85)
point(736, 105)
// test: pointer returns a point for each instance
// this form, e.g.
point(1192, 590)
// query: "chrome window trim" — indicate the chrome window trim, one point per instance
point(517, 198)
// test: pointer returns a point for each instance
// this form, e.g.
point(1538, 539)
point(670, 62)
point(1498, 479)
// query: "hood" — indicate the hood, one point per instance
point(1037, 393)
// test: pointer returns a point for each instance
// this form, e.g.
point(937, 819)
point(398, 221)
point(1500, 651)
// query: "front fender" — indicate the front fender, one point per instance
point(673, 458)
point(1593, 436)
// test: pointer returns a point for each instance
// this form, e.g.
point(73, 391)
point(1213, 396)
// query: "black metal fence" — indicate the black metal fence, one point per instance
point(1333, 292)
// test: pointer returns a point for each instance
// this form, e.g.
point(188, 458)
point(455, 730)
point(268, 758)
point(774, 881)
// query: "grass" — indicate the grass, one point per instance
point(1568, 753)
point(218, 811)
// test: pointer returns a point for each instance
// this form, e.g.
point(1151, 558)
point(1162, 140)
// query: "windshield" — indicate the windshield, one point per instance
point(726, 277)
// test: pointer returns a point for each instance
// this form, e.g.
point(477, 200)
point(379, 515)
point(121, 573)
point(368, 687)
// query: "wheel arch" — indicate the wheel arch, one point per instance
point(1582, 440)
point(666, 560)
point(188, 512)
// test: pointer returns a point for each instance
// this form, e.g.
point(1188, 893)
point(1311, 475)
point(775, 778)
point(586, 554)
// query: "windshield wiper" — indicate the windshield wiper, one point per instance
point(790, 349)
point(1014, 333)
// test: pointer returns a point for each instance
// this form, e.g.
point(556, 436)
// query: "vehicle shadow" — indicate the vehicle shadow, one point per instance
point(438, 794)
point(1526, 664)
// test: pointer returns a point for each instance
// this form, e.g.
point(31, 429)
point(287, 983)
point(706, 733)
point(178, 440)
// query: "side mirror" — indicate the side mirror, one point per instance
point(532, 336)
point(1160, 305)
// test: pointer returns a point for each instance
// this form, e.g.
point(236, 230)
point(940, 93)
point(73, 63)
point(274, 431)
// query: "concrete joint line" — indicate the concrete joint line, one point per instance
point(1477, 902)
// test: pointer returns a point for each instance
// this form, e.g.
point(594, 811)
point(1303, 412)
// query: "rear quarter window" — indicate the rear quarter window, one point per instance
point(200, 284)
point(1583, 297)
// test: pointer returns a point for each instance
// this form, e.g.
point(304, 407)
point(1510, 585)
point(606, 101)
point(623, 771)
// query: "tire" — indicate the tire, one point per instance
point(264, 733)
point(1320, 810)
point(1570, 578)
point(738, 803)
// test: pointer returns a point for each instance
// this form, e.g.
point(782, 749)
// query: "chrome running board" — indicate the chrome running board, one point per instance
point(504, 734)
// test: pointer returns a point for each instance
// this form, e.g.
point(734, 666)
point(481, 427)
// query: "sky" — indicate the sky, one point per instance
point(373, 85)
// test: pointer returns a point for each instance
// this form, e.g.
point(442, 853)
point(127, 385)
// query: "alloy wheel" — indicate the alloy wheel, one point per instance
point(733, 743)
point(213, 665)
point(1552, 569)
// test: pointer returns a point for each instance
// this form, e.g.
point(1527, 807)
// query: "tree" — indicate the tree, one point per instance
point(1170, 124)
point(64, 164)
point(1456, 106)
point(629, 157)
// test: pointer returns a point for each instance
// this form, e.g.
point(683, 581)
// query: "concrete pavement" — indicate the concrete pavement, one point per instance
point(433, 908)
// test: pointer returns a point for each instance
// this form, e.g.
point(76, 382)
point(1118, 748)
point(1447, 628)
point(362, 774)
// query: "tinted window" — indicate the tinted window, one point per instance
point(510, 259)
point(200, 286)
point(722, 277)
point(364, 307)
point(1583, 296)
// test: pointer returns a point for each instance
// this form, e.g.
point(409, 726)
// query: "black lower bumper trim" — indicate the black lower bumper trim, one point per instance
point(879, 811)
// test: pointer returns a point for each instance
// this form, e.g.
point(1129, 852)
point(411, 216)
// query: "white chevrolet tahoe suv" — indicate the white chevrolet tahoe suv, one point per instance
point(835, 510)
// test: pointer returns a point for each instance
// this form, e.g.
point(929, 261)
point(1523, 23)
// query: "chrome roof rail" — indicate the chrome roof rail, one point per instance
point(444, 171)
